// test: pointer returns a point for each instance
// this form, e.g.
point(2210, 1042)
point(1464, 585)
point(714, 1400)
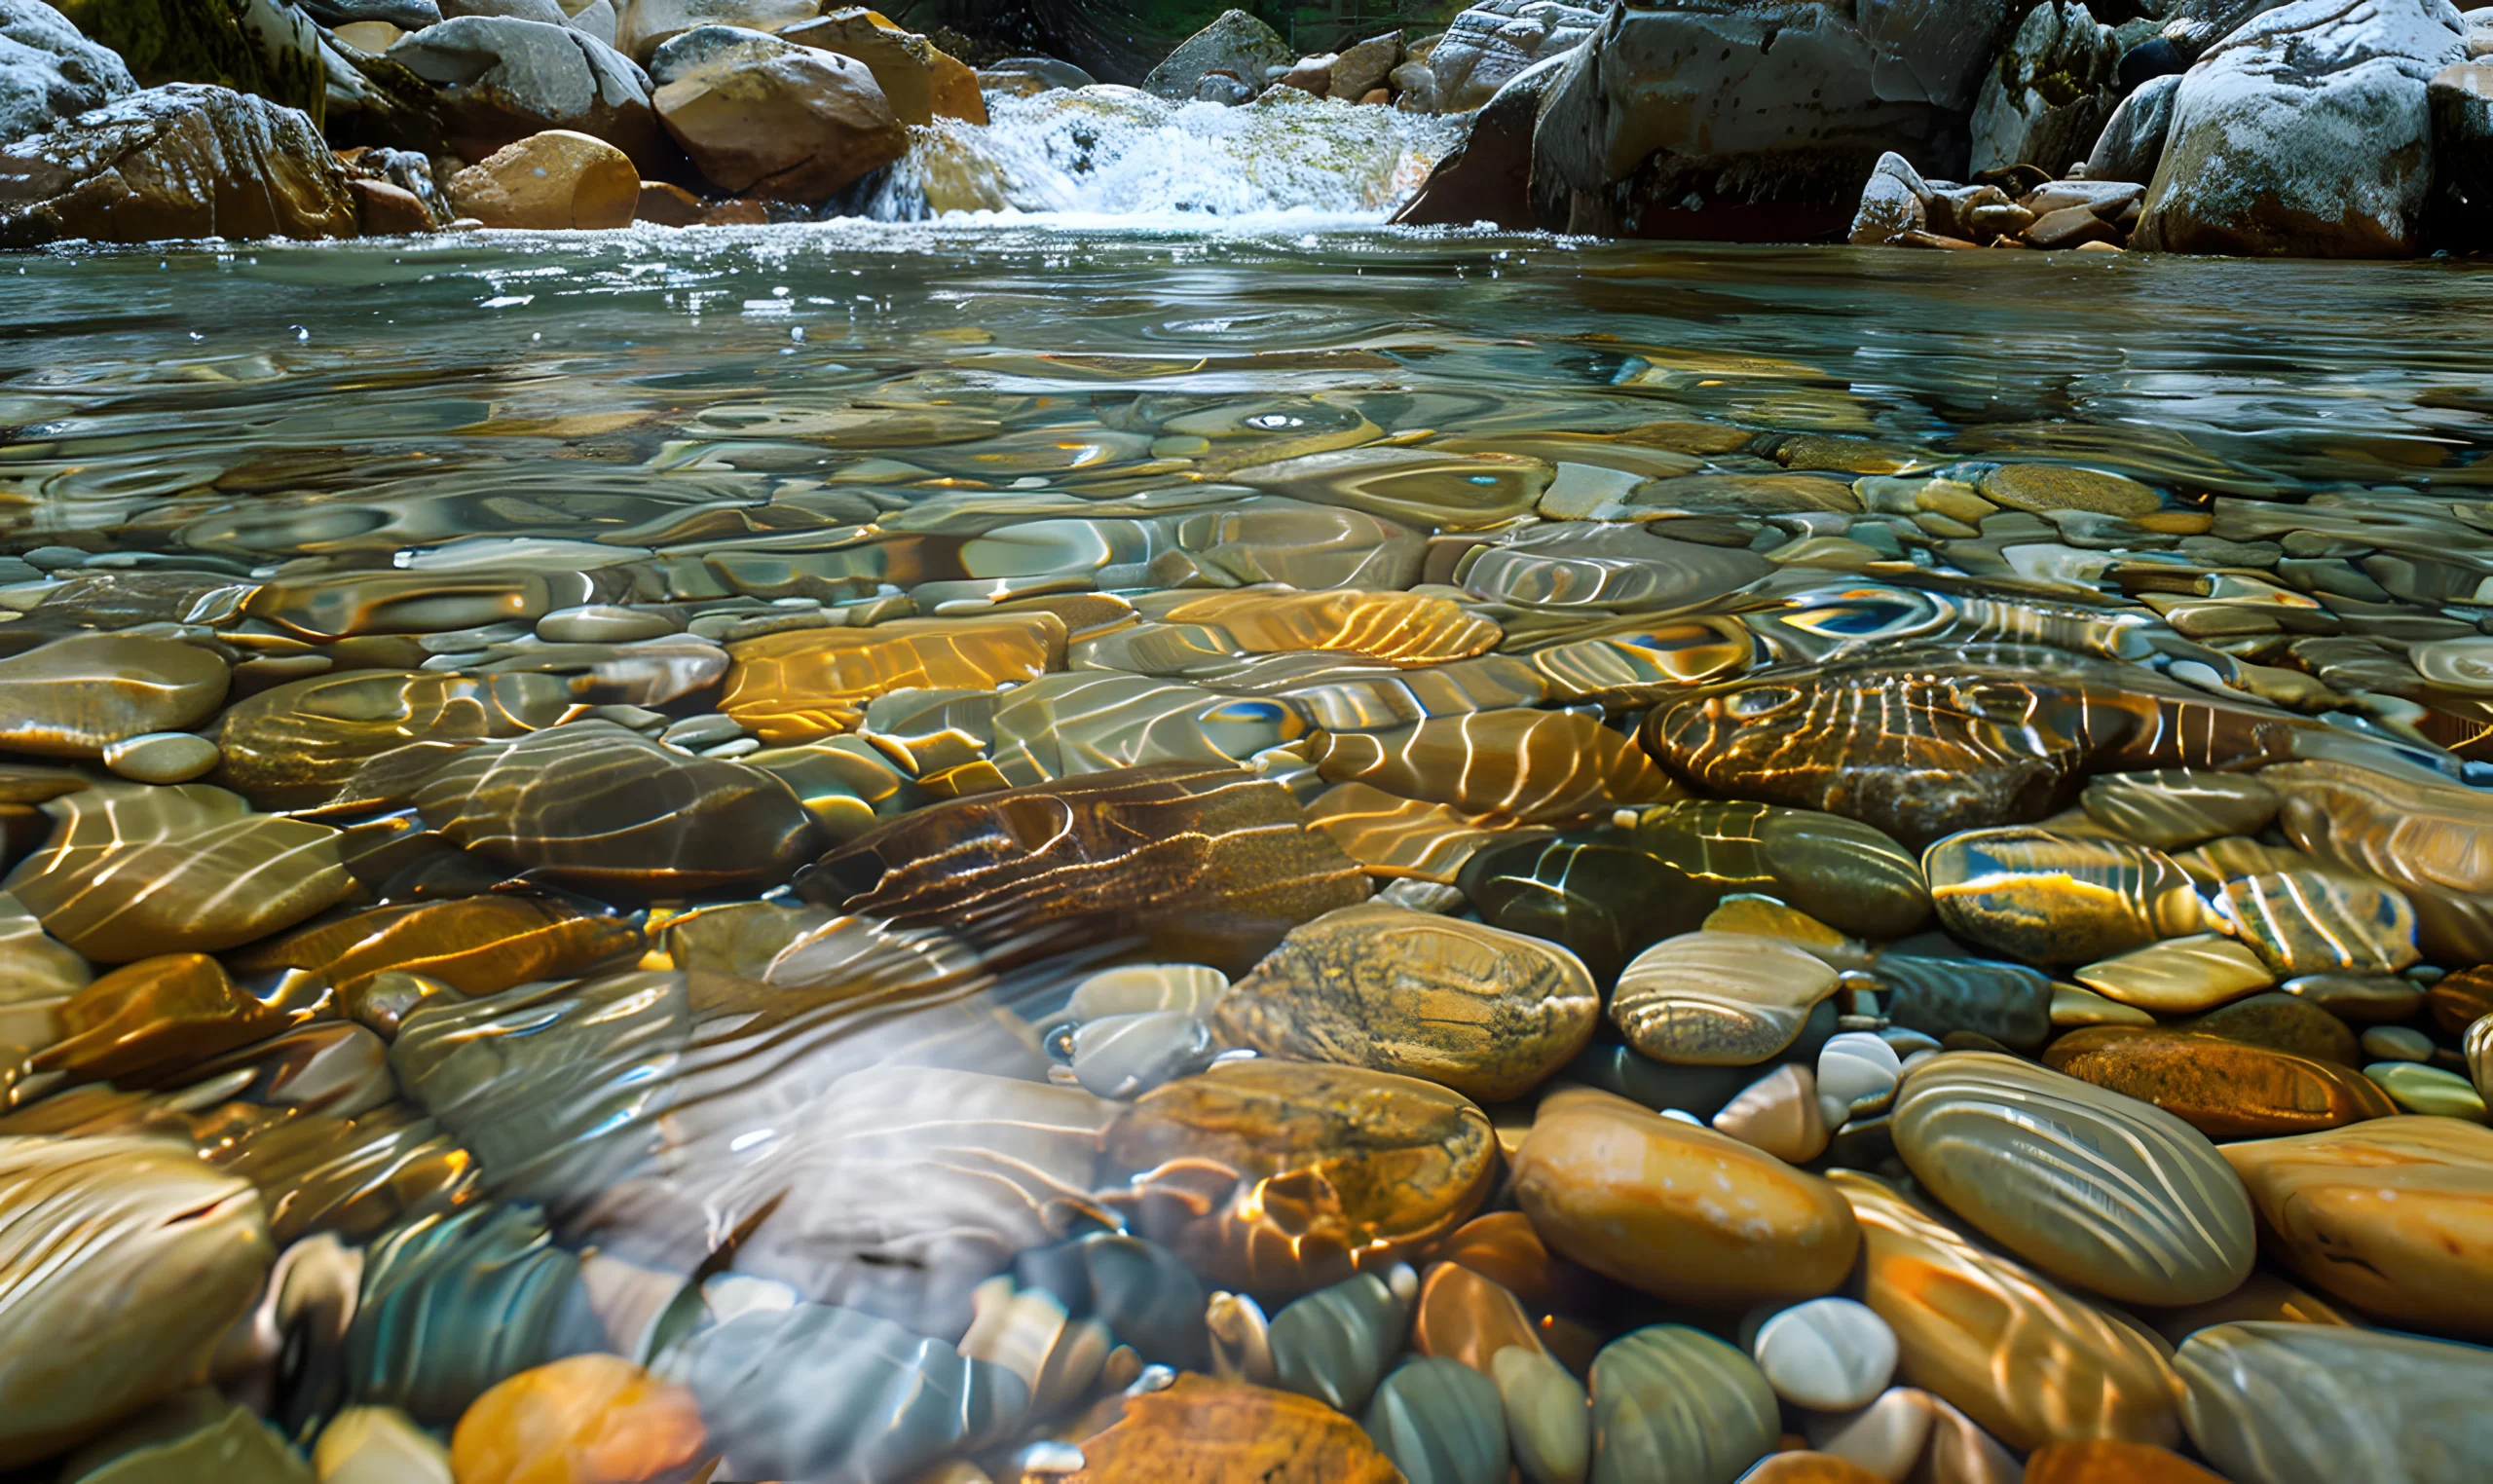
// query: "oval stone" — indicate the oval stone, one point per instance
point(1514, 765)
point(2024, 1359)
point(2009, 1003)
point(1334, 1344)
point(2059, 899)
point(2428, 1089)
point(2179, 976)
point(1678, 1210)
point(583, 1417)
point(2395, 1216)
point(1829, 1353)
point(1484, 1012)
point(2179, 807)
point(2225, 1088)
point(1462, 1316)
point(2315, 922)
point(1228, 1430)
point(2109, 1462)
point(1718, 999)
point(76, 696)
point(2322, 1405)
point(2095, 1188)
point(162, 757)
point(1282, 1177)
point(1838, 870)
point(1440, 1423)
point(1549, 1419)
point(1674, 1403)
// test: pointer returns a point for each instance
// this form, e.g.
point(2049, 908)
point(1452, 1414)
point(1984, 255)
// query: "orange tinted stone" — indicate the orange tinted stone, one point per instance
point(584, 1420)
point(2108, 1462)
point(1464, 1316)
point(803, 684)
point(1205, 1431)
point(2461, 999)
point(1801, 1467)
point(2222, 1088)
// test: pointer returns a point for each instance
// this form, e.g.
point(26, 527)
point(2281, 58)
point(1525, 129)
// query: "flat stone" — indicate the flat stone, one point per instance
point(1830, 1355)
point(1804, 1467)
point(1718, 999)
point(2073, 1007)
point(1520, 766)
point(2022, 1357)
point(76, 696)
point(1603, 567)
point(1090, 722)
point(2095, 1188)
point(191, 1435)
point(1231, 1432)
point(475, 944)
point(1440, 1423)
point(1400, 629)
point(2059, 899)
point(1670, 1401)
point(1398, 838)
point(146, 1024)
point(162, 757)
point(2315, 922)
point(2179, 807)
point(1422, 486)
point(2397, 1043)
point(364, 740)
point(2043, 487)
point(2108, 1460)
point(2362, 997)
point(2225, 1088)
point(2262, 1296)
point(2179, 976)
point(1678, 1210)
point(575, 1418)
point(2009, 1003)
point(1139, 988)
point(2282, 1021)
point(1838, 870)
point(1586, 891)
point(2421, 837)
point(2428, 1089)
point(2313, 1403)
point(805, 683)
point(1398, 1162)
point(1120, 1056)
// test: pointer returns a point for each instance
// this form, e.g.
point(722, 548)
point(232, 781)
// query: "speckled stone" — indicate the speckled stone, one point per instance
point(1717, 999)
point(1549, 1422)
point(2319, 922)
point(1830, 1355)
point(2286, 1023)
point(2050, 898)
point(1231, 1432)
point(2095, 1188)
point(2320, 1404)
point(2224, 1088)
point(1674, 1403)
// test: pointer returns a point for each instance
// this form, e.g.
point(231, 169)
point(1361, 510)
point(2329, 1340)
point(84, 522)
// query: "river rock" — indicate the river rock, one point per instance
point(479, 945)
point(2009, 1003)
point(1675, 1209)
point(1778, 1113)
point(145, 1024)
point(1487, 46)
point(1671, 1402)
point(366, 738)
point(1235, 43)
point(2059, 899)
point(805, 683)
point(76, 696)
point(1838, 870)
point(555, 180)
point(1549, 1419)
point(2317, 1404)
point(1489, 177)
point(2315, 922)
point(2306, 133)
point(2178, 807)
point(1589, 892)
point(1464, 1315)
point(122, 1263)
point(583, 1417)
point(1334, 1344)
point(1718, 999)
point(1603, 566)
point(2179, 976)
point(1227, 1431)
point(1830, 1355)
point(181, 161)
point(2387, 1216)
point(2223, 1088)
point(1801, 1465)
point(50, 72)
point(2046, 98)
point(919, 79)
point(502, 78)
point(2025, 1359)
point(1090, 722)
point(1513, 764)
point(642, 26)
point(1486, 1012)
point(1285, 1177)
point(2133, 140)
point(2037, 1161)
point(1886, 1438)
point(1440, 1423)
point(194, 1434)
point(770, 119)
point(2429, 1090)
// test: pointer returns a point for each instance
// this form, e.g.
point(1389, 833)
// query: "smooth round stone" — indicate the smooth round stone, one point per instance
point(1139, 988)
point(1334, 1344)
point(1549, 1422)
point(1464, 1315)
point(2397, 1043)
point(1485, 1012)
point(2059, 899)
point(1960, 1452)
point(2364, 997)
point(1599, 899)
point(1804, 1467)
point(1122, 1055)
point(1829, 1354)
point(1674, 1403)
point(2393, 1216)
point(2284, 1023)
point(1222, 1430)
point(1676, 1210)
point(1504, 1247)
point(2026, 1360)
point(2178, 807)
point(1778, 1113)
point(2429, 1090)
point(582, 1420)
point(162, 757)
point(2108, 1460)
point(1717, 999)
point(2179, 976)
point(75, 696)
point(1331, 1169)
point(1884, 1437)
point(1147, 1298)
point(378, 1445)
point(2073, 1007)
point(2009, 1003)
point(2038, 488)
point(603, 623)
point(123, 1262)
point(147, 1023)
point(2095, 1188)
point(2318, 1404)
point(2225, 1088)
point(1440, 1423)
point(1838, 870)
point(1855, 1065)
point(2318, 922)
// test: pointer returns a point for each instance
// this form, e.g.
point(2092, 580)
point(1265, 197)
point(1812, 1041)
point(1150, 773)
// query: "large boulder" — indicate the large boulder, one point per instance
point(2192, 26)
point(2306, 133)
point(2046, 98)
point(642, 26)
point(770, 119)
point(262, 47)
point(1488, 178)
point(1235, 43)
point(921, 81)
point(49, 71)
point(551, 181)
point(2133, 138)
point(183, 160)
point(1490, 44)
point(1754, 119)
point(501, 79)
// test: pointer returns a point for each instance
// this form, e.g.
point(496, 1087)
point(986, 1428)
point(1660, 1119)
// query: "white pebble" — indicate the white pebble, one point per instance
point(162, 757)
point(1885, 1437)
point(1829, 1353)
point(1138, 987)
point(1855, 1065)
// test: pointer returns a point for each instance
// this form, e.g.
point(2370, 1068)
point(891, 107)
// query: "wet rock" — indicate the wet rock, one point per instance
point(1466, 1317)
point(770, 119)
point(181, 161)
point(2058, 899)
point(1486, 1012)
point(1123, 1056)
point(366, 739)
point(1885, 1437)
point(2035, 1160)
point(1400, 629)
point(2178, 976)
point(1598, 898)
point(193, 1435)
point(1778, 1113)
point(593, 805)
point(1603, 567)
point(1829, 1354)
point(1489, 177)
point(2314, 922)
point(1674, 1402)
point(551, 181)
point(1231, 1432)
point(1549, 1422)
point(74, 697)
point(2025, 1359)
point(50, 72)
point(475, 945)
point(2179, 807)
point(2305, 132)
point(125, 1260)
point(219, 874)
point(1526, 766)
point(2310, 1403)
point(500, 80)
point(2461, 100)
point(1678, 1210)
point(1717, 999)
point(1214, 864)
point(2133, 140)
point(1138, 989)
point(1456, 492)
point(1235, 43)
point(919, 79)
point(642, 26)
point(805, 683)
point(2038, 488)
point(1285, 1177)
point(1335, 1344)
point(2225, 1088)
point(586, 1417)
point(1440, 1423)
point(1060, 725)
point(2385, 1215)
point(2046, 98)
point(1843, 872)
point(2428, 1089)
point(1487, 46)
point(1895, 201)
point(162, 757)
point(147, 1022)
point(2009, 1003)
point(1146, 1297)
point(453, 1305)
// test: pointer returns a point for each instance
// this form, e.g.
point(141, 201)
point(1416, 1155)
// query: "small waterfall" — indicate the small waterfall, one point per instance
point(1109, 151)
